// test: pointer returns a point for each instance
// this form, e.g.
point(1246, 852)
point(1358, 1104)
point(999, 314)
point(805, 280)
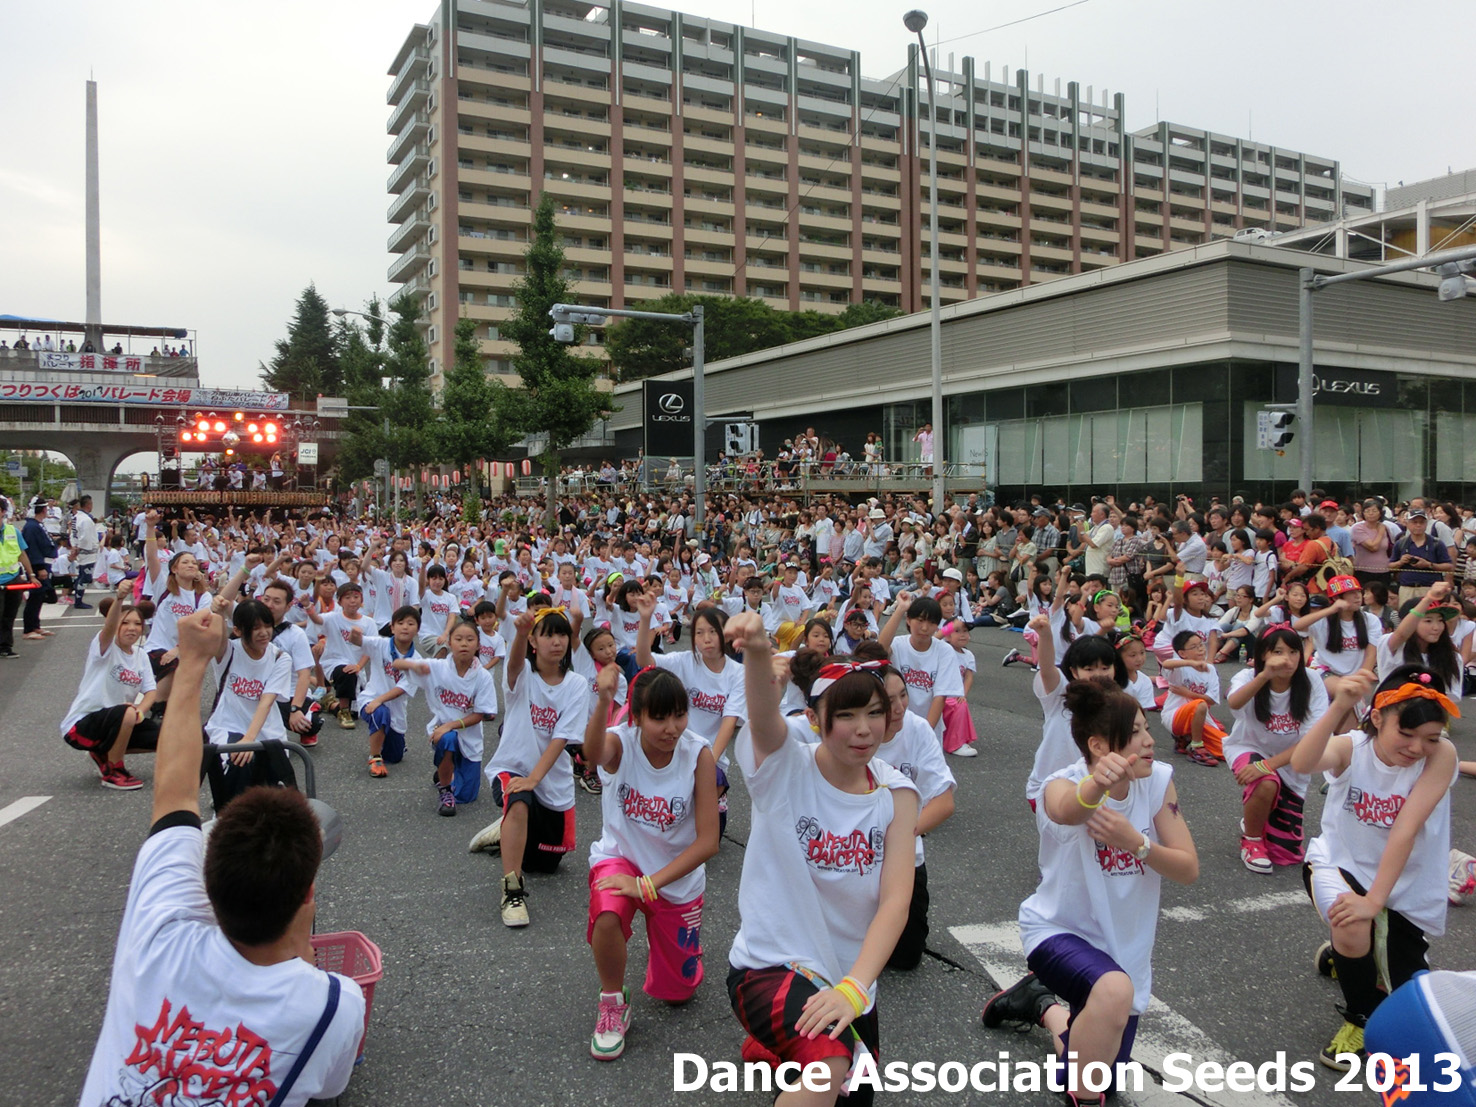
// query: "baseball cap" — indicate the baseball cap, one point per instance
point(1338, 585)
point(953, 574)
point(1329, 503)
point(1415, 513)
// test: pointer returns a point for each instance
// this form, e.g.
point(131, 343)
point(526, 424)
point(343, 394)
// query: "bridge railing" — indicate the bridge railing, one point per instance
point(58, 361)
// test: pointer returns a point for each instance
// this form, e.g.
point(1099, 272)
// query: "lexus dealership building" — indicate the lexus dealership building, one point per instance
point(1144, 378)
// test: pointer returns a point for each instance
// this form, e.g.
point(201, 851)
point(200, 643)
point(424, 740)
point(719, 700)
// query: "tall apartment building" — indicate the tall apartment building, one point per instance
point(695, 155)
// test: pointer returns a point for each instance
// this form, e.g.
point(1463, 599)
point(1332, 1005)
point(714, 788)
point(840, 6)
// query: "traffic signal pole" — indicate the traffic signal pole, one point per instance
point(1454, 265)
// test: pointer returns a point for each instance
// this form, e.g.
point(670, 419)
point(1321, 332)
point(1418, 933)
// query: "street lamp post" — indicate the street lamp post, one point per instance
point(915, 21)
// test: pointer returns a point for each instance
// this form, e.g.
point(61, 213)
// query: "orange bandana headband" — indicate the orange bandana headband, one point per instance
point(544, 612)
point(1420, 691)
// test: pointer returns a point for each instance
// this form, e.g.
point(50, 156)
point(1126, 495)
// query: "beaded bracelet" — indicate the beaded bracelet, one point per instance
point(855, 995)
point(1089, 806)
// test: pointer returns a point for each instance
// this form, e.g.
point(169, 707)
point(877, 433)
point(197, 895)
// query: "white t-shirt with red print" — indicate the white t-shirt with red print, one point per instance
point(539, 713)
point(452, 696)
point(109, 677)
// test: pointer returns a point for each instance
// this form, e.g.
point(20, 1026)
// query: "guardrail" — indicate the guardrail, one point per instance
point(800, 478)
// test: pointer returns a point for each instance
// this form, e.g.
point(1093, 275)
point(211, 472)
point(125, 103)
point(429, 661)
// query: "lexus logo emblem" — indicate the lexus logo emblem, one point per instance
point(671, 403)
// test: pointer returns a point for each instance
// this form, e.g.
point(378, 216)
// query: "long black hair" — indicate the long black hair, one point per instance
point(1091, 649)
point(1301, 683)
point(1334, 632)
point(1444, 662)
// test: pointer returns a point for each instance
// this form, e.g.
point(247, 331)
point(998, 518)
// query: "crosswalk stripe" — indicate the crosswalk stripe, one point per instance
point(13, 811)
point(1161, 1029)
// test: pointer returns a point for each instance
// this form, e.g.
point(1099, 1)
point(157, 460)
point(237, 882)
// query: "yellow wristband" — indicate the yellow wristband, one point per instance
point(855, 994)
point(1088, 806)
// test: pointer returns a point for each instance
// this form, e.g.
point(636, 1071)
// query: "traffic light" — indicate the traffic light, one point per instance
point(1275, 432)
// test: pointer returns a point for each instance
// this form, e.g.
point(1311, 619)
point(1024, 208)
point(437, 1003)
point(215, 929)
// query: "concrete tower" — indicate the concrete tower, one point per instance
point(94, 227)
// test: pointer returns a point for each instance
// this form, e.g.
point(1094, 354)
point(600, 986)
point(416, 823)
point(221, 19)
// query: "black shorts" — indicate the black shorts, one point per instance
point(99, 730)
point(550, 832)
point(160, 669)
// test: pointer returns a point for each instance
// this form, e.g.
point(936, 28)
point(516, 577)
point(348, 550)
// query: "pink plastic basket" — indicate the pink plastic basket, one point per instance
point(351, 954)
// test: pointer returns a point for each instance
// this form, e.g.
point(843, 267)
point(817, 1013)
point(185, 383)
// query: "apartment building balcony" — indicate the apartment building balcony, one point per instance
point(409, 202)
point(408, 265)
point(417, 126)
point(415, 68)
point(498, 113)
point(717, 178)
point(416, 159)
point(415, 98)
point(1144, 242)
point(408, 233)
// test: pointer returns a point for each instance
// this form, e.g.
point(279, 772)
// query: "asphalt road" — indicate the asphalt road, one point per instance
point(470, 1012)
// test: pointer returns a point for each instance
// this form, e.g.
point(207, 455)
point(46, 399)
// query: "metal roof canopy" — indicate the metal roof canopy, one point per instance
point(20, 323)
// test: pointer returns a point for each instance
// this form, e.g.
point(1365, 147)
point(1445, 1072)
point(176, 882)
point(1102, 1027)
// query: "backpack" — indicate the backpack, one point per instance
point(1336, 565)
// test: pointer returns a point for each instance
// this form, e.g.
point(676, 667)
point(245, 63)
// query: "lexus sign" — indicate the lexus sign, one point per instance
point(668, 418)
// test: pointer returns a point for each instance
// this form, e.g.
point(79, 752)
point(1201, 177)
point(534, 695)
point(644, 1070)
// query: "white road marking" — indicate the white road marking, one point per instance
point(1161, 1030)
point(1271, 901)
point(11, 812)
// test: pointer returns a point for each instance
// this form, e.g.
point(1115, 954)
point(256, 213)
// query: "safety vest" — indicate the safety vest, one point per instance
point(10, 551)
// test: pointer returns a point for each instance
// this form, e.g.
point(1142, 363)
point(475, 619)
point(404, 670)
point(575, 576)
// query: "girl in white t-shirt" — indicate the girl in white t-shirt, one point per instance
point(178, 590)
point(590, 659)
point(1091, 657)
point(828, 872)
point(110, 712)
point(1377, 872)
point(461, 695)
point(816, 637)
point(251, 675)
point(660, 826)
point(438, 609)
point(532, 779)
point(1129, 647)
point(1344, 638)
point(1110, 831)
point(1275, 702)
point(713, 679)
point(1422, 637)
point(959, 735)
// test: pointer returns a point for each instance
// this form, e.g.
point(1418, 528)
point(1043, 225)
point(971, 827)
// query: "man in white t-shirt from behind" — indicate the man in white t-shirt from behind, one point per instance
point(214, 983)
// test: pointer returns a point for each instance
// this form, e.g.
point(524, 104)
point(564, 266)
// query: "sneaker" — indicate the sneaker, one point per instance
point(590, 782)
point(1035, 668)
point(1253, 855)
point(307, 740)
point(377, 769)
point(1021, 1004)
point(1326, 966)
point(488, 839)
point(1012, 656)
point(448, 803)
point(99, 759)
point(7, 653)
point(514, 909)
point(116, 776)
point(1348, 1039)
point(608, 1040)
point(965, 751)
point(1201, 756)
point(1462, 877)
point(345, 718)
point(80, 606)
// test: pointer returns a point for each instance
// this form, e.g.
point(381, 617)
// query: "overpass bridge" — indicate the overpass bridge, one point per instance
point(97, 409)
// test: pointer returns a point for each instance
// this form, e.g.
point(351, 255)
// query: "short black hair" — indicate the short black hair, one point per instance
point(925, 608)
point(260, 863)
point(657, 694)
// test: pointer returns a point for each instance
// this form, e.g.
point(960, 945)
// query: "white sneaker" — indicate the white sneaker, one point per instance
point(608, 1040)
point(488, 839)
point(514, 908)
point(965, 751)
point(1462, 877)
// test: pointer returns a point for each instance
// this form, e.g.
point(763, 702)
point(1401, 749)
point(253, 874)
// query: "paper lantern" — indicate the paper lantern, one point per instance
point(509, 471)
point(527, 467)
point(456, 476)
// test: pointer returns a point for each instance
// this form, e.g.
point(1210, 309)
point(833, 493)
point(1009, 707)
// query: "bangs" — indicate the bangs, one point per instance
point(850, 692)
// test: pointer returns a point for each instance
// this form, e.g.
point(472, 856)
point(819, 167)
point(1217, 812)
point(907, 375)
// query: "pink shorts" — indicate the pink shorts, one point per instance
point(673, 933)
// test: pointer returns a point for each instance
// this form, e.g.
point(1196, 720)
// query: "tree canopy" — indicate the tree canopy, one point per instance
point(305, 365)
point(735, 326)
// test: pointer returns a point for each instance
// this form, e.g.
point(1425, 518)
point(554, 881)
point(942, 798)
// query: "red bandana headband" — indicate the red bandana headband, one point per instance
point(833, 672)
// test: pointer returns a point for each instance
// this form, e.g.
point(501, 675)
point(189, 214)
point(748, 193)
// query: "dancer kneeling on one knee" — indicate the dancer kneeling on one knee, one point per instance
point(1110, 830)
point(659, 805)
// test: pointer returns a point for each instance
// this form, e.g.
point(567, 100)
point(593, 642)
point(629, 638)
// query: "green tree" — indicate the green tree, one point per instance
point(407, 403)
point(867, 311)
point(480, 418)
point(306, 362)
point(361, 357)
point(560, 399)
point(643, 347)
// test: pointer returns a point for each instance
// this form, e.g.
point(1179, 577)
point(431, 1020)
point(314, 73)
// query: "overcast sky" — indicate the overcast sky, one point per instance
point(243, 145)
